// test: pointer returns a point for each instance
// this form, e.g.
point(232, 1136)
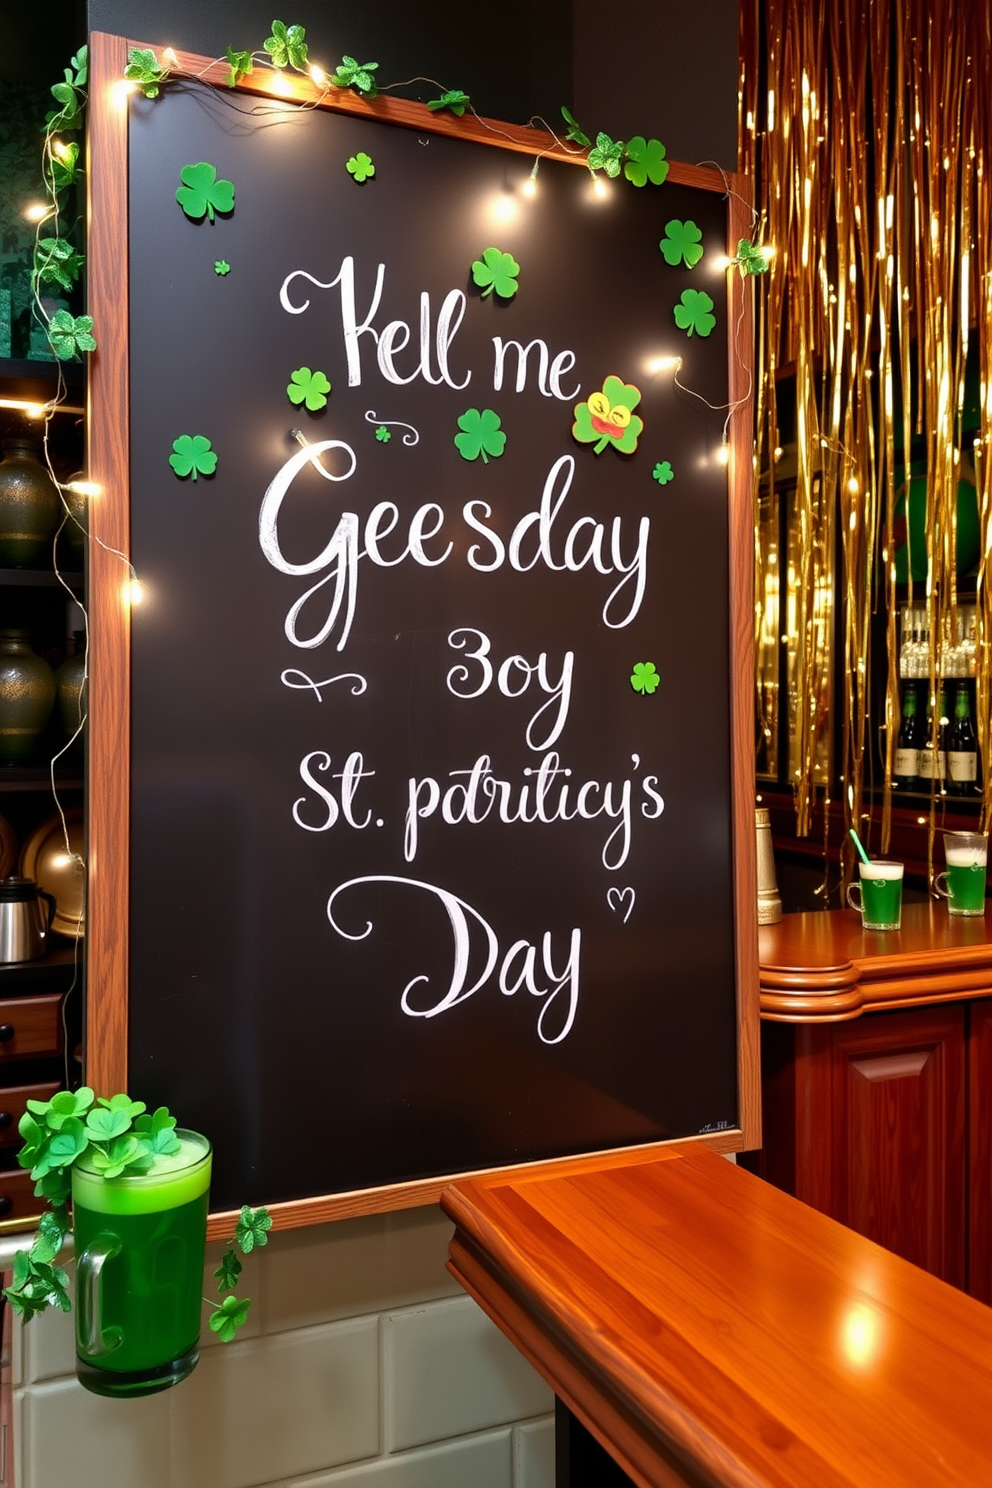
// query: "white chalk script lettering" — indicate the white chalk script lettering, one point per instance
point(560, 997)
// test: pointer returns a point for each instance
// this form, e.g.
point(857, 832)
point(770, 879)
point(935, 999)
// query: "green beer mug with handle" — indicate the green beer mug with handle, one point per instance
point(963, 881)
point(140, 1241)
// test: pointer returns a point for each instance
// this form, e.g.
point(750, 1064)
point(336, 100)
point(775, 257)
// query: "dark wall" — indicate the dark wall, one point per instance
point(662, 67)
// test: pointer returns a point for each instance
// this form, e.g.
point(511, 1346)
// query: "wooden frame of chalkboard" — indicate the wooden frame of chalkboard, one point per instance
point(586, 1039)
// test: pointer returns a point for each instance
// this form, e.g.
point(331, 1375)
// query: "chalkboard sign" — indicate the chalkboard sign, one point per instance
point(427, 734)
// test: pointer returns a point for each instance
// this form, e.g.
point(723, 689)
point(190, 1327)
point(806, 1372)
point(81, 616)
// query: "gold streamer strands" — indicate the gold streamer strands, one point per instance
point(866, 128)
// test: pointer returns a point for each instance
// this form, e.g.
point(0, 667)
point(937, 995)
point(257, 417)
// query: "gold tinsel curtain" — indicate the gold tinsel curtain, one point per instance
point(865, 126)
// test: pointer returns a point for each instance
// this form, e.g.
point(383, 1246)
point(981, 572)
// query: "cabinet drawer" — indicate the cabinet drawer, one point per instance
point(17, 1200)
point(30, 1026)
point(13, 1103)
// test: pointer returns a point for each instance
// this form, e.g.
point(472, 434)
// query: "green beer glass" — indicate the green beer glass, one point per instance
point(964, 878)
point(140, 1243)
point(878, 897)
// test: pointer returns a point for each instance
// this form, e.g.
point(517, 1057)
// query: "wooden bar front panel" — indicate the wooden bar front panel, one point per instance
point(897, 1139)
point(980, 1150)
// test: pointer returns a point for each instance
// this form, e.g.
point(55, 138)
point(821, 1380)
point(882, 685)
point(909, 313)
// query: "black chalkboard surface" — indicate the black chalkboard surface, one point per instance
point(431, 848)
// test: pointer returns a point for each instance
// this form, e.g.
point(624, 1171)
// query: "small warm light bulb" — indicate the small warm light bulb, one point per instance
point(169, 56)
point(280, 83)
point(722, 262)
point(36, 211)
point(84, 487)
point(664, 364)
point(61, 149)
point(600, 190)
point(35, 411)
point(853, 487)
point(778, 453)
point(723, 454)
point(529, 188)
point(318, 76)
point(504, 207)
point(768, 250)
point(121, 90)
point(133, 592)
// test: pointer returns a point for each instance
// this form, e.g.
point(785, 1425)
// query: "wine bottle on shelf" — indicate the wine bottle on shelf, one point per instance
point(962, 748)
point(933, 760)
point(905, 771)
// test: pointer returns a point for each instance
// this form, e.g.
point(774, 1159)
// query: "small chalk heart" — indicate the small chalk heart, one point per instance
point(617, 898)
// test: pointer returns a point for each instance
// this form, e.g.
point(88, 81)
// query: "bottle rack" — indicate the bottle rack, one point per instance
point(944, 748)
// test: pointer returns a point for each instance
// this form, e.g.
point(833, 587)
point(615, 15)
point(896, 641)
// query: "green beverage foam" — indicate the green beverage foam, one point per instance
point(965, 857)
point(174, 1179)
point(880, 870)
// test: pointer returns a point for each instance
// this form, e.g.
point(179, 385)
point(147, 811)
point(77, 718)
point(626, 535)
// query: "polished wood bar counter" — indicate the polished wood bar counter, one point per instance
point(711, 1331)
point(824, 965)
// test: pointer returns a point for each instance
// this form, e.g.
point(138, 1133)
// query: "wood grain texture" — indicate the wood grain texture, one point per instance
point(299, 1212)
point(34, 1024)
point(896, 1135)
point(824, 966)
point(741, 523)
point(109, 754)
point(868, 1121)
point(980, 1150)
point(710, 1330)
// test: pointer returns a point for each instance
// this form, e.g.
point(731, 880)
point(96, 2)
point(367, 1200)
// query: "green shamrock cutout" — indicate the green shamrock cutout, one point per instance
point(454, 99)
point(222, 267)
point(69, 334)
point(481, 435)
point(228, 1316)
point(608, 418)
point(663, 473)
point(308, 387)
point(360, 166)
point(201, 194)
point(287, 46)
point(242, 65)
point(357, 75)
point(750, 259)
point(682, 243)
point(496, 271)
point(252, 1228)
point(574, 133)
point(606, 154)
point(383, 434)
point(192, 454)
point(645, 161)
point(694, 312)
point(644, 678)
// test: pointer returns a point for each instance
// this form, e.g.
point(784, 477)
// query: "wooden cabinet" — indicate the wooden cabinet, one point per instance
point(878, 1110)
point(865, 1121)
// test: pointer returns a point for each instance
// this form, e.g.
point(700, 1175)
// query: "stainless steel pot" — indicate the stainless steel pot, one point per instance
point(25, 919)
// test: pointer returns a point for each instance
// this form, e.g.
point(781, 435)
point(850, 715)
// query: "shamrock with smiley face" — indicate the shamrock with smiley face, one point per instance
point(608, 417)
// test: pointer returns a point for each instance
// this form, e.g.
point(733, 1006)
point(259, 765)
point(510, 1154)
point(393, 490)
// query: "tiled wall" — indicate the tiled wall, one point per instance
point(363, 1365)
